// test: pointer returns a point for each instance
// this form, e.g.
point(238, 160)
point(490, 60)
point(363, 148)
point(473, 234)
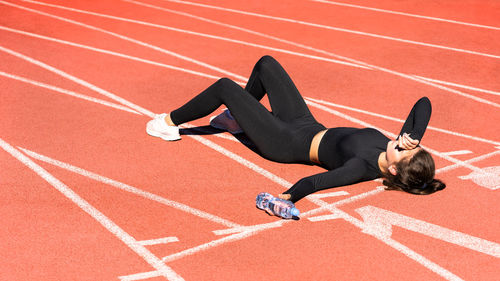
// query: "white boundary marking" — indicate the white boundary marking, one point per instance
point(144, 44)
point(370, 66)
point(342, 61)
point(329, 194)
point(151, 259)
point(139, 276)
point(406, 14)
point(78, 81)
point(457, 152)
point(164, 240)
point(67, 92)
point(165, 27)
point(415, 78)
point(476, 159)
point(460, 86)
point(402, 121)
point(336, 29)
point(107, 52)
point(325, 217)
point(380, 222)
point(131, 189)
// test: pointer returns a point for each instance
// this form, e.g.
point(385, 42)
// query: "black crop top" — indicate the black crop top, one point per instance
point(351, 154)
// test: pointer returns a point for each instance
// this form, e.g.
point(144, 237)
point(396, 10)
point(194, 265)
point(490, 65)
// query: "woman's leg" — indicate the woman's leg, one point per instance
point(268, 76)
point(269, 134)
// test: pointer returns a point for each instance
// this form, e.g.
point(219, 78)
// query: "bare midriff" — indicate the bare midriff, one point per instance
point(313, 151)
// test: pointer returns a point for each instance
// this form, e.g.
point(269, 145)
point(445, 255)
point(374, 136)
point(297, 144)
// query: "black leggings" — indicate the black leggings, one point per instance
point(283, 135)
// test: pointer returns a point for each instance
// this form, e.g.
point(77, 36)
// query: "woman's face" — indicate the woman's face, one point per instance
point(394, 154)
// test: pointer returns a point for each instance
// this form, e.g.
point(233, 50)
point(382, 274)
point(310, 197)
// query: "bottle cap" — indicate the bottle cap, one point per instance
point(295, 212)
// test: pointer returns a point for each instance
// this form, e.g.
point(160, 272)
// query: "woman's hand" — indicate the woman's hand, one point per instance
point(284, 196)
point(407, 143)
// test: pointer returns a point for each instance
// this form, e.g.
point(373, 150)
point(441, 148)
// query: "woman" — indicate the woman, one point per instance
point(290, 134)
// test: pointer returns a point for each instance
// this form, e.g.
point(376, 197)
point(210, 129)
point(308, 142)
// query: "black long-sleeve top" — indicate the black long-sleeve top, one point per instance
point(351, 154)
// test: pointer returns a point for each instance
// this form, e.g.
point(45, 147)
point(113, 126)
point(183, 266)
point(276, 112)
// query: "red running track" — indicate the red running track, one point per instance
point(87, 195)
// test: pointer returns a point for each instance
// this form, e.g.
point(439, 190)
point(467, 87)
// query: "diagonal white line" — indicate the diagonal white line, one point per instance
point(78, 81)
point(407, 14)
point(67, 92)
point(140, 276)
point(244, 30)
point(358, 62)
point(458, 152)
point(131, 189)
point(204, 35)
point(144, 44)
point(460, 86)
point(98, 50)
point(472, 160)
point(336, 29)
point(126, 238)
point(164, 240)
point(215, 36)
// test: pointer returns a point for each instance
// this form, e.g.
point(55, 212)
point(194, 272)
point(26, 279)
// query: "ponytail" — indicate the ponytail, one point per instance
point(415, 176)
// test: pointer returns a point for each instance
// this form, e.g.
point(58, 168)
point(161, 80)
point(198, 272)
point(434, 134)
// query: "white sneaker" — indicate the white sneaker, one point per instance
point(159, 128)
point(226, 122)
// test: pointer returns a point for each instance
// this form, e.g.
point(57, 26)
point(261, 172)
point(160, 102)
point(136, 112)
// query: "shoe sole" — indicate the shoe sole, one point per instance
point(162, 136)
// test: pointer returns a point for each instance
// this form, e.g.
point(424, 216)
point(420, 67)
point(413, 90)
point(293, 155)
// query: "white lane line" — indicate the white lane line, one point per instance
point(123, 37)
point(245, 43)
point(410, 77)
point(430, 150)
point(131, 189)
point(366, 227)
point(338, 29)
point(457, 152)
point(78, 81)
point(402, 121)
point(407, 14)
point(211, 244)
point(342, 61)
point(380, 222)
point(126, 238)
point(139, 276)
point(415, 78)
point(476, 159)
point(249, 228)
point(164, 240)
point(73, 44)
point(204, 35)
point(329, 194)
point(67, 92)
point(460, 86)
point(325, 217)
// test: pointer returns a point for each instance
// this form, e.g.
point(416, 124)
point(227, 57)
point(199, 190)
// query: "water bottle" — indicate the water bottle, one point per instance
point(279, 207)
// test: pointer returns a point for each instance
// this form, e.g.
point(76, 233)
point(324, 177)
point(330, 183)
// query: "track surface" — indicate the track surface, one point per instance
point(87, 195)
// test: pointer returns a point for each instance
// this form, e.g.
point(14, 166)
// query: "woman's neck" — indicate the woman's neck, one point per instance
point(382, 162)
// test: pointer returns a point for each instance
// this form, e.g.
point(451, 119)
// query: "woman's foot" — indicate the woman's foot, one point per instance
point(226, 122)
point(158, 127)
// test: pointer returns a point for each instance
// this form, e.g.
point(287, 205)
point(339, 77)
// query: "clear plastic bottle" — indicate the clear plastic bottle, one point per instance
point(279, 207)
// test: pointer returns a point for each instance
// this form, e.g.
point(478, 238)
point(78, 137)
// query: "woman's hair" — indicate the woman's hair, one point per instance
point(415, 175)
